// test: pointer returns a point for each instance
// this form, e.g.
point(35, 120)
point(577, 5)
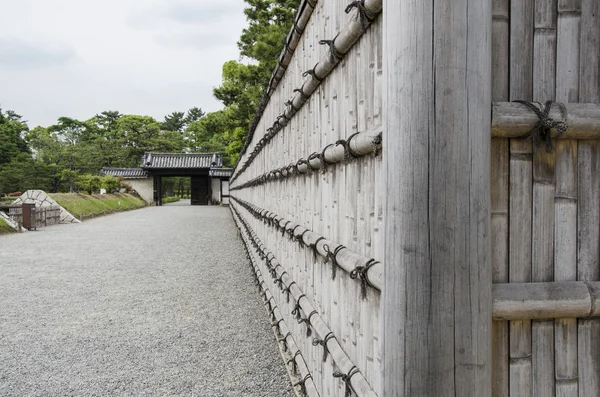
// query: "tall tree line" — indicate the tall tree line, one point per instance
point(54, 157)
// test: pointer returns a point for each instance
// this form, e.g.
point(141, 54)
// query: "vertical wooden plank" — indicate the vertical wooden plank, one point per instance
point(588, 208)
point(437, 293)
point(520, 208)
point(544, 77)
point(565, 256)
point(499, 196)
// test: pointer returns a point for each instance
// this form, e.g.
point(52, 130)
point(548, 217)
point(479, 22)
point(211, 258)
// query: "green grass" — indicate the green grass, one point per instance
point(171, 199)
point(96, 204)
point(5, 200)
point(4, 228)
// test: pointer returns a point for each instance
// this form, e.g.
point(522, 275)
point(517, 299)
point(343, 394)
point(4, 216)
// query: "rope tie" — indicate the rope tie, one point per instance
point(332, 258)
point(376, 143)
point(297, 307)
point(288, 291)
point(314, 247)
point(542, 132)
point(346, 379)
point(302, 161)
point(270, 304)
point(314, 156)
point(302, 94)
point(287, 294)
point(301, 238)
point(336, 55)
point(294, 363)
point(323, 159)
point(276, 325)
point(292, 168)
point(292, 232)
point(279, 281)
point(302, 383)
point(284, 226)
point(284, 341)
point(273, 312)
point(366, 17)
point(311, 72)
point(307, 322)
point(290, 103)
point(323, 342)
point(363, 273)
point(347, 147)
point(285, 119)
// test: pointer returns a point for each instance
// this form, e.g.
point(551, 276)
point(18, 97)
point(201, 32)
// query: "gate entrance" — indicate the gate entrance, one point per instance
point(197, 166)
point(208, 183)
point(201, 190)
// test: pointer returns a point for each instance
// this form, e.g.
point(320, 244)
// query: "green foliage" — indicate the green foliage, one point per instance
point(12, 130)
point(110, 183)
point(4, 228)
point(24, 173)
point(66, 155)
point(243, 85)
point(194, 114)
point(174, 122)
point(89, 183)
point(171, 199)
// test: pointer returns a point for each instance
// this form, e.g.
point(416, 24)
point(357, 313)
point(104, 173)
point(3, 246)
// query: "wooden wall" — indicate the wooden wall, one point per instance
point(545, 205)
point(342, 202)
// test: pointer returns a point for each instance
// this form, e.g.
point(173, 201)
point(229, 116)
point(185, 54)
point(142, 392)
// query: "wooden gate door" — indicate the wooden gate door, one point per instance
point(200, 186)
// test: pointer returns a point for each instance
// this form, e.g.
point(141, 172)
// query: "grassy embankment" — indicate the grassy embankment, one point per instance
point(97, 204)
point(4, 228)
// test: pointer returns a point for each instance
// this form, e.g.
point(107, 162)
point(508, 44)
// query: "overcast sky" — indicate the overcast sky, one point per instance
point(77, 58)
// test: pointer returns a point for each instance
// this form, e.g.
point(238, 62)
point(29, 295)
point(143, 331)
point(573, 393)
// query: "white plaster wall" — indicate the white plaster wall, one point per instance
point(225, 200)
point(143, 187)
point(216, 189)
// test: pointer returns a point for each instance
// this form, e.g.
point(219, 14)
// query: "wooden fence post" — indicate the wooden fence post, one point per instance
point(438, 277)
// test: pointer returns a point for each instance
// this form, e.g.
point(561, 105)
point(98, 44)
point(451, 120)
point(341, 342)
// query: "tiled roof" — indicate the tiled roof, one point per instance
point(221, 172)
point(126, 173)
point(181, 160)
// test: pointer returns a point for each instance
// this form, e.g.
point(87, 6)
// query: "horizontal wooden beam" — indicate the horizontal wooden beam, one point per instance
point(534, 301)
point(359, 384)
point(512, 120)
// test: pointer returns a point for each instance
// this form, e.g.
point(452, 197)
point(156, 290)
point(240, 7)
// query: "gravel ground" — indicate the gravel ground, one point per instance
point(152, 302)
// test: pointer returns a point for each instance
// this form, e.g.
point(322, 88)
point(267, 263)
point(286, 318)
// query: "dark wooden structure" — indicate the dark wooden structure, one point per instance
point(195, 165)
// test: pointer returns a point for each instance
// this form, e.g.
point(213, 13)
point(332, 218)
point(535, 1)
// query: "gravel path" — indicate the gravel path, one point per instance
point(153, 302)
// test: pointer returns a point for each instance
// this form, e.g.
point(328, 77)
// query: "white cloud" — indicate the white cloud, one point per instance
point(78, 58)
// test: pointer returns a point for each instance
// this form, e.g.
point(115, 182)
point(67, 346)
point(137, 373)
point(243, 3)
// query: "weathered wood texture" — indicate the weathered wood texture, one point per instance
point(338, 197)
point(438, 273)
point(551, 198)
point(417, 244)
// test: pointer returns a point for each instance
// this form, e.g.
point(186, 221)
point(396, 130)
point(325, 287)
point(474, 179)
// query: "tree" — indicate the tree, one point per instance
point(194, 114)
point(210, 133)
point(12, 131)
point(269, 21)
point(174, 122)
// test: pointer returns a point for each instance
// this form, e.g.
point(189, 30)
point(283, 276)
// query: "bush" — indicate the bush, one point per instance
point(110, 183)
point(89, 183)
point(170, 199)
